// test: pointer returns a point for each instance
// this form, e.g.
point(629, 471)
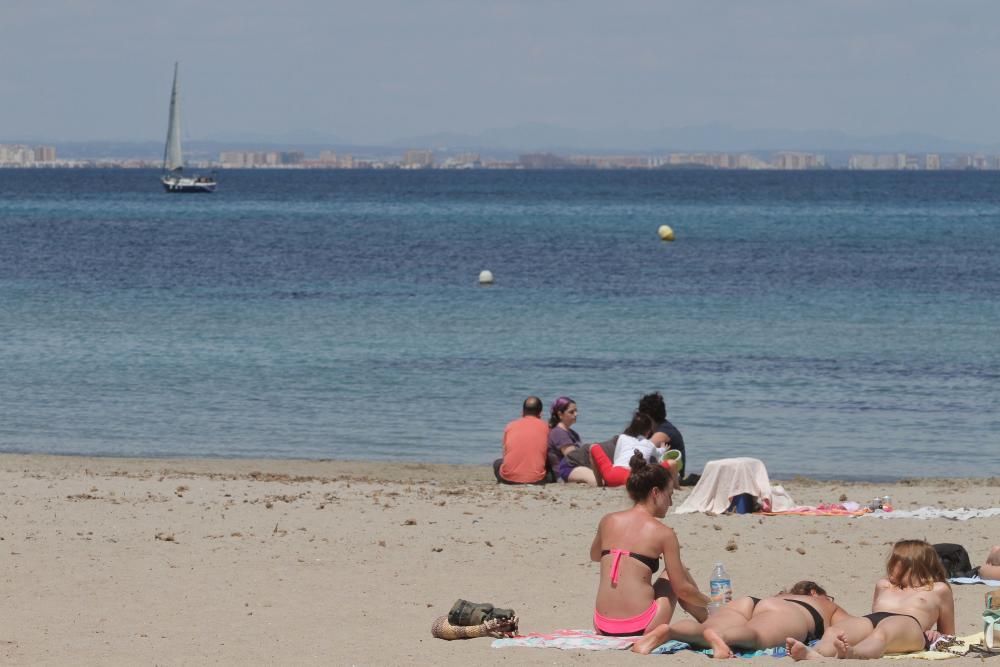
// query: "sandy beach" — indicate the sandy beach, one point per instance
point(168, 562)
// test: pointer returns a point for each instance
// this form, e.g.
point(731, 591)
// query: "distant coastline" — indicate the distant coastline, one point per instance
point(213, 155)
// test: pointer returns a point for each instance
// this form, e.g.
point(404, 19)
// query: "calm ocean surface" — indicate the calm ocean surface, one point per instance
point(835, 324)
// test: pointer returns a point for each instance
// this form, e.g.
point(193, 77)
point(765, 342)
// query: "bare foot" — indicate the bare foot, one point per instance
point(800, 651)
point(652, 639)
point(840, 644)
point(719, 647)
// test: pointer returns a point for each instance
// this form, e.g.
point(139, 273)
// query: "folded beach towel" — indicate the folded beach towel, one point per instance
point(960, 514)
point(569, 640)
point(722, 480)
point(975, 580)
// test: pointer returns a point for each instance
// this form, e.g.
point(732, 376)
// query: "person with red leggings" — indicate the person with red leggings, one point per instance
point(635, 438)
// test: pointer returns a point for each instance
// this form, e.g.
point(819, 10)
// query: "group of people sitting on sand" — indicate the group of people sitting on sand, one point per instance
point(536, 452)
point(911, 607)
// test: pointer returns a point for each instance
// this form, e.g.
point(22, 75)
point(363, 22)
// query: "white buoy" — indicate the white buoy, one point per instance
point(485, 277)
point(666, 234)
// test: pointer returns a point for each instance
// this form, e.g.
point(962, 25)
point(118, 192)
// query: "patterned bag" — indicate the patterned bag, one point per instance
point(991, 621)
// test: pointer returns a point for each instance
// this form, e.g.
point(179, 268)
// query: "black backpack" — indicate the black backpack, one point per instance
point(955, 559)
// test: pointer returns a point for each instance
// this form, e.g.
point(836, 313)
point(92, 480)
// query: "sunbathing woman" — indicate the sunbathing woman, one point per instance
point(754, 623)
point(563, 440)
point(635, 438)
point(991, 568)
point(908, 603)
point(628, 545)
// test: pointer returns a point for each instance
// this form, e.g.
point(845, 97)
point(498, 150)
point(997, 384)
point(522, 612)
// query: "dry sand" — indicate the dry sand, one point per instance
point(127, 561)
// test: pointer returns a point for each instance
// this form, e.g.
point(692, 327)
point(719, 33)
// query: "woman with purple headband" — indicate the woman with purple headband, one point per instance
point(563, 440)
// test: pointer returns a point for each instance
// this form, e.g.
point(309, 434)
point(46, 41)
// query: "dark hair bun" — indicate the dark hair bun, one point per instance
point(644, 477)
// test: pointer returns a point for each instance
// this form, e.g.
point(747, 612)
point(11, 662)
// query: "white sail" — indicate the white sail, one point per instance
point(172, 158)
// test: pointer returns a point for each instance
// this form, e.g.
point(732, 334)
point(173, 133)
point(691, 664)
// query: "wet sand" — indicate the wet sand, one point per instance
point(138, 561)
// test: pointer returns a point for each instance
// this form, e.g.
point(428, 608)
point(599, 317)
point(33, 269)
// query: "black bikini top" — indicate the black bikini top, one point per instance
point(650, 562)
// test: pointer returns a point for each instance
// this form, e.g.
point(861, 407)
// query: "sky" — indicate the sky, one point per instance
point(371, 71)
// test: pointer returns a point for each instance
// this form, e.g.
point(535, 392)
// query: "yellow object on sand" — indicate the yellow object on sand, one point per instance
point(960, 650)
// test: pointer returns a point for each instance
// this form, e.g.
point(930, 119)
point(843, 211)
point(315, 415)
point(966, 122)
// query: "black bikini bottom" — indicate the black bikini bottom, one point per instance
point(818, 626)
point(879, 616)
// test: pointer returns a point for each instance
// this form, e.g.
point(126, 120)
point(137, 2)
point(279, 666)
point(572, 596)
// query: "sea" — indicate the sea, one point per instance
point(834, 324)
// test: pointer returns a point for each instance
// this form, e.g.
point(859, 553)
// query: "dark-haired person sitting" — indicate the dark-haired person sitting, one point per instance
point(752, 623)
point(665, 434)
point(616, 471)
point(629, 545)
point(565, 444)
point(525, 448)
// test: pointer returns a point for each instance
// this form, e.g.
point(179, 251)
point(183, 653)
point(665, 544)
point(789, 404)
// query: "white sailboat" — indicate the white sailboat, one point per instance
point(174, 179)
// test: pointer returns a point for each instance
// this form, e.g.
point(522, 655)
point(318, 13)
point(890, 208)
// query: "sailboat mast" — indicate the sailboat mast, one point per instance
point(172, 158)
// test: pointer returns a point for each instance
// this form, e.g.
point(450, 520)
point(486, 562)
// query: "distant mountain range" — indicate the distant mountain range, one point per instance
point(538, 137)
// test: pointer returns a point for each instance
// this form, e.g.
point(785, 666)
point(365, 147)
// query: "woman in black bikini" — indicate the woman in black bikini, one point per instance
point(908, 603)
point(754, 623)
point(628, 546)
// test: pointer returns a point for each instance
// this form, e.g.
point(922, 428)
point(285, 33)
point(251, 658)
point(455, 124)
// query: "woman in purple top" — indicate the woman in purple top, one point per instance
point(563, 440)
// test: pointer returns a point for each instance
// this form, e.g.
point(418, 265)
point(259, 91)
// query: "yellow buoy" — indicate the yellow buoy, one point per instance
point(666, 234)
point(485, 277)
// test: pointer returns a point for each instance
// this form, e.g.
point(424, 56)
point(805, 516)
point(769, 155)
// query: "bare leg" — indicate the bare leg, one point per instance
point(658, 631)
point(897, 634)
point(849, 631)
point(991, 568)
point(666, 599)
point(766, 629)
point(582, 475)
point(694, 633)
point(652, 639)
point(686, 630)
point(719, 647)
point(799, 651)
point(872, 646)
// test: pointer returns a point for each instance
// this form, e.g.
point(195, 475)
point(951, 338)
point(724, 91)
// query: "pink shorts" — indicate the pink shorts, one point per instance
point(625, 627)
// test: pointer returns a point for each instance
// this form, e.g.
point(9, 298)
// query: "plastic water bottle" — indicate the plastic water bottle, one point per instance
point(720, 588)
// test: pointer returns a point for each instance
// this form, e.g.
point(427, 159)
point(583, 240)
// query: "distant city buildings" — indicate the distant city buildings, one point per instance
point(418, 159)
point(19, 155)
point(926, 162)
point(245, 159)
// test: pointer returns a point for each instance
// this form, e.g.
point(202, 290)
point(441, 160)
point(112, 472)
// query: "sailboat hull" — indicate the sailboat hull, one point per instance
point(189, 184)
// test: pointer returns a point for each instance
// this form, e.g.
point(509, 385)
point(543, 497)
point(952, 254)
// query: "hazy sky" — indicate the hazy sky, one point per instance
point(375, 70)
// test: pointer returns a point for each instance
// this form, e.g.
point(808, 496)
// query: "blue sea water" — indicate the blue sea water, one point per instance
point(832, 324)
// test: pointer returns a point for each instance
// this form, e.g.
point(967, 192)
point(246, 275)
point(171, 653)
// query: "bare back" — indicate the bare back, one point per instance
point(638, 533)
